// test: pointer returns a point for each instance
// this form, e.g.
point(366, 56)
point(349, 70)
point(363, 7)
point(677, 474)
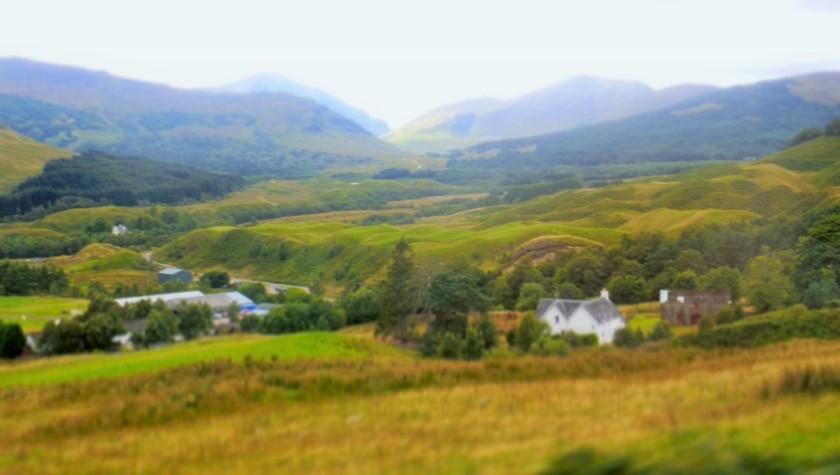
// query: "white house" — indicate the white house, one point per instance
point(584, 317)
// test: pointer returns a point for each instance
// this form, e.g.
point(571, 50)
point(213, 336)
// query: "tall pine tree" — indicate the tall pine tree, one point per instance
point(398, 299)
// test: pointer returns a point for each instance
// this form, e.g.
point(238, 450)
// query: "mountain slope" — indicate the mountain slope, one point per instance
point(253, 133)
point(731, 124)
point(277, 83)
point(21, 158)
point(575, 103)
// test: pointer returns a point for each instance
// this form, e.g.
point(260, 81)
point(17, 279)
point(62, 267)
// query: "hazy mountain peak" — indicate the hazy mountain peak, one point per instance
point(269, 82)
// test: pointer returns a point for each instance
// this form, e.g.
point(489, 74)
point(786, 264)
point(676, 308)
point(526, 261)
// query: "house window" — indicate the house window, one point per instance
point(557, 319)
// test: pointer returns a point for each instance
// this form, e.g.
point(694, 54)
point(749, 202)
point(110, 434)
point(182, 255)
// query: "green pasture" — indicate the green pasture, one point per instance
point(33, 312)
point(96, 366)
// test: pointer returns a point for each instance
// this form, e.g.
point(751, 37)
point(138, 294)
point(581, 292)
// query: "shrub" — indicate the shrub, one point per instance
point(729, 314)
point(249, 324)
point(707, 324)
point(550, 346)
point(450, 346)
point(489, 332)
point(473, 344)
point(529, 331)
point(12, 340)
point(662, 331)
point(628, 338)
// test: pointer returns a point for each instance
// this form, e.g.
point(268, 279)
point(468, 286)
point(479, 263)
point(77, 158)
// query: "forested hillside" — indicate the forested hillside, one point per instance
point(95, 179)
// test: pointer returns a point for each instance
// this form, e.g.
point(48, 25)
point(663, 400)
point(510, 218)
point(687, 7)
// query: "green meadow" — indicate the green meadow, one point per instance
point(235, 348)
point(33, 312)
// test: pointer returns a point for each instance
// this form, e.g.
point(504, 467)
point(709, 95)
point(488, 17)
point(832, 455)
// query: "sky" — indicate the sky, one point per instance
point(399, 59)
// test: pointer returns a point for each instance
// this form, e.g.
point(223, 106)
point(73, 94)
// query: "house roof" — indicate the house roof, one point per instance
point(171, 271)
point(602, 310)
point(165, 297)
point(216, 300)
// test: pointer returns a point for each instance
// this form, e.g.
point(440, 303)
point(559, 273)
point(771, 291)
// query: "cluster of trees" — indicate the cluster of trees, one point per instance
point(24, 245)
point(95, 329)
point(95, 178)
point(164, 324)
point(12, 340)
point(21, 279)
point(447, 298)
point(299, 312)
point(739, 259)
point(806, 135)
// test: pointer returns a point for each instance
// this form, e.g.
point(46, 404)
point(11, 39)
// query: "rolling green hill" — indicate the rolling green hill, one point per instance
point(340, 249)
point(731, 124)
point(575, 103)
point(21, 158)
point(247, 133)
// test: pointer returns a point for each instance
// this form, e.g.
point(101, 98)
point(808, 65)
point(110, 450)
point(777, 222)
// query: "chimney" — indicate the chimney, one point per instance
point(605, 294)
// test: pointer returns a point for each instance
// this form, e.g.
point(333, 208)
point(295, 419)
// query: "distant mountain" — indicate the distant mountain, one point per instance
point(572, 104)
point(730, 124)
point(277, 83)
point(22, 157)
point(79, 109)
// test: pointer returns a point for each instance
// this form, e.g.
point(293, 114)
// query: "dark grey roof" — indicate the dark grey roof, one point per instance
point(601, 309)
point(136, 326)
point(566, 307)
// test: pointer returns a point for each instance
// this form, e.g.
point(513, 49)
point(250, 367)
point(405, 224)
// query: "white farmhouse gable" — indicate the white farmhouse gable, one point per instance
point(591, 317)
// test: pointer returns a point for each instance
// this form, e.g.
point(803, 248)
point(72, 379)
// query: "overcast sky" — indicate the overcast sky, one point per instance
point(398, 59)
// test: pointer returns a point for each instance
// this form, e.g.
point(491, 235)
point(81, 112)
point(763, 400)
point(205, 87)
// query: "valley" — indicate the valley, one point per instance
point(596, 277)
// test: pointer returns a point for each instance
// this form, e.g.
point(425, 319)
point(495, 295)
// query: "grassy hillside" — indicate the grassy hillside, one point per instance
point(246, 133)
point(682, 411)
point(731, 124)
point(235, 348)
point(106, 265)
point(339, 249)
point(21, 158)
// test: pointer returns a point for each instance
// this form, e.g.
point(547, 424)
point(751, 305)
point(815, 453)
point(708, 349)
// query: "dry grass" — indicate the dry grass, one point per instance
point(403, 416)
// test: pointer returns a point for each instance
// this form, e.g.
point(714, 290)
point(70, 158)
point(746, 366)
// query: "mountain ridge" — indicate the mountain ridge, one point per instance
point(78, 109)
point(577, 102)
point(274, 83)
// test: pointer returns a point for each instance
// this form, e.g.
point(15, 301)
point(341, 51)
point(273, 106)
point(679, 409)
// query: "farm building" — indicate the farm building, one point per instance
point(687, 307)
point(219, 303)
point(584, 317)
point(164, 297)
point(174, 275)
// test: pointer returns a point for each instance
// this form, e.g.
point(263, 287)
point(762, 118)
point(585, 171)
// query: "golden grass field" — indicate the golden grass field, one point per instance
point(385, 413)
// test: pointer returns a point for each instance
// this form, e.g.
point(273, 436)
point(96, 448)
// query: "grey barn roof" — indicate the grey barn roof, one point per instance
point(171, 271)
point(601, 309)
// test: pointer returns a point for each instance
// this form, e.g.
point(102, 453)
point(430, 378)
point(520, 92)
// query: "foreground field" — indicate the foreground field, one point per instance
point(33, 312)
point(379, 414)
